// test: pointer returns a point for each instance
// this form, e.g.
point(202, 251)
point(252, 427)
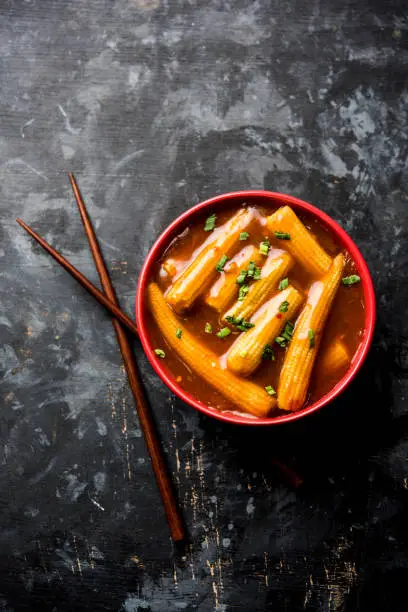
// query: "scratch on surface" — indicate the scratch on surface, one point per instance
point(98, 505)
point(26, 124)
point(175, 441)
point(127, 159)
point(175, 575)
point(266, 569)
point(68, 125)
point(128, 472)
point(111, 400)
point(18, 160)
point(78, 562)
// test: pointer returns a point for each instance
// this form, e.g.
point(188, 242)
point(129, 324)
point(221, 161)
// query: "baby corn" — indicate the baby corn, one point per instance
point(225, 288)
point(272, 272)
point(335, 358)
point(246, 395)
point(245, 354)
point(297, 366)
point(299, 241)
point(194, 280)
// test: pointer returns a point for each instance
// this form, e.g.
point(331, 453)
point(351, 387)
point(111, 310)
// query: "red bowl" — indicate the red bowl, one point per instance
point(265, 198)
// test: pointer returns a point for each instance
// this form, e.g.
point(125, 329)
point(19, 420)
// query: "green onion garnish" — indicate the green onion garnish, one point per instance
point(224, 332)
point(283, 284)
point(220, 265)
point(288, 331)
point(270, 390)
point(244, 325)
point(264, 247)
point(244, 236)
point(208, 328)
point(178, 333)
point(350, 280)
point(284, 306)
point(160, 353)
point(243, 292)
point(282, 235)
point(311, 337)
point(210, 223)
point(257, 273)
point(268, 353)
point(281, 341)
point(241, 277)
point(251, 269)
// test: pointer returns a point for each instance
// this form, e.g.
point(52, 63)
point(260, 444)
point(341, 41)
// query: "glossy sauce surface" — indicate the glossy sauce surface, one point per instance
point(345, 321)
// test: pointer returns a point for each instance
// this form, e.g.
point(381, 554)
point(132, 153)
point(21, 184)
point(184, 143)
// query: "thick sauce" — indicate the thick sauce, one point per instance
point(345, 321)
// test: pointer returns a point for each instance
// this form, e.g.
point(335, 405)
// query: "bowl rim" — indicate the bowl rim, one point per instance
point(344, 239)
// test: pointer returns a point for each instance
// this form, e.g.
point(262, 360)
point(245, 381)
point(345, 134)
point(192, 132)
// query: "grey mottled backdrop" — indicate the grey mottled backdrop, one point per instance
point(157, 104)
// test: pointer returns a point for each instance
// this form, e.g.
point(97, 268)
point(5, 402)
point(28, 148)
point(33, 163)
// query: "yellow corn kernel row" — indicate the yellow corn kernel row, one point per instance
point(246, 395)
point(273, 271)
point(335, 358)
point(300, 357)
point(194, 280)
point(245, 354)
point(302, 245)
point(225, 288)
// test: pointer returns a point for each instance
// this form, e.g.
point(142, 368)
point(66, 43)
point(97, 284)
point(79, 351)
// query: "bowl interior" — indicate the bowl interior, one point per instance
point(265, 199)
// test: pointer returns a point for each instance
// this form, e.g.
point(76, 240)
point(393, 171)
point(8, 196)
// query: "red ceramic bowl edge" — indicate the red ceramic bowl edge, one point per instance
point(369, 302)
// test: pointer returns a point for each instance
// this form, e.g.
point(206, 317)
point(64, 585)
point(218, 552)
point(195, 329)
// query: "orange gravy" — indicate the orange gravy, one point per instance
point(345, 321)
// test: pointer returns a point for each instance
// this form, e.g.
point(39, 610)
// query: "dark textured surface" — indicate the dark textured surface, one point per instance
point(157, 105)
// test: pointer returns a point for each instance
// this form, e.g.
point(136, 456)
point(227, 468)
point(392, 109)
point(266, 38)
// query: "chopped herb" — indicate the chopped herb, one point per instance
point(350, 280)
point(251, 269)
point(220, 265)
point(244, 325)
point(210, 223)
point(257, 273)
point(232, 320)
point(283, 284)
point(243, 292)
point(178, 333)
point(244, 236)
point(270, 390)
point(224, 332)
point(243, 354)
point(264, 247)
point(311, 337)
point(241, 277)
point(288, 331)
point(208, 328)
point(284, 306)
point(239, 323)
point(160, 353)
point(282, 235)
point(281, 341)
point(268, 353)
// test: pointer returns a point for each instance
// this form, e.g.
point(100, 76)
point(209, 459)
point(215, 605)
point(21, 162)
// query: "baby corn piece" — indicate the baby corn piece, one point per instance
point(246, 395)
point(272, 272)
point(297, 366)
point(195, 279)
point(245, 354)
point(335, 357)
point(225, 288)
point(301, 244)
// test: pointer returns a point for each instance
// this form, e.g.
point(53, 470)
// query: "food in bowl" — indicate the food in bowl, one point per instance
point(255, 309)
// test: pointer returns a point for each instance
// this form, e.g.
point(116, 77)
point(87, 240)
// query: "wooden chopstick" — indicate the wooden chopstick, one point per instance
point(145, 416)
point(82, 280)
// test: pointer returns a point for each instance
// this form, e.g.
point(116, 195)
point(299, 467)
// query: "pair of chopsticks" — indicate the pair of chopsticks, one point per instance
point(109, 300)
